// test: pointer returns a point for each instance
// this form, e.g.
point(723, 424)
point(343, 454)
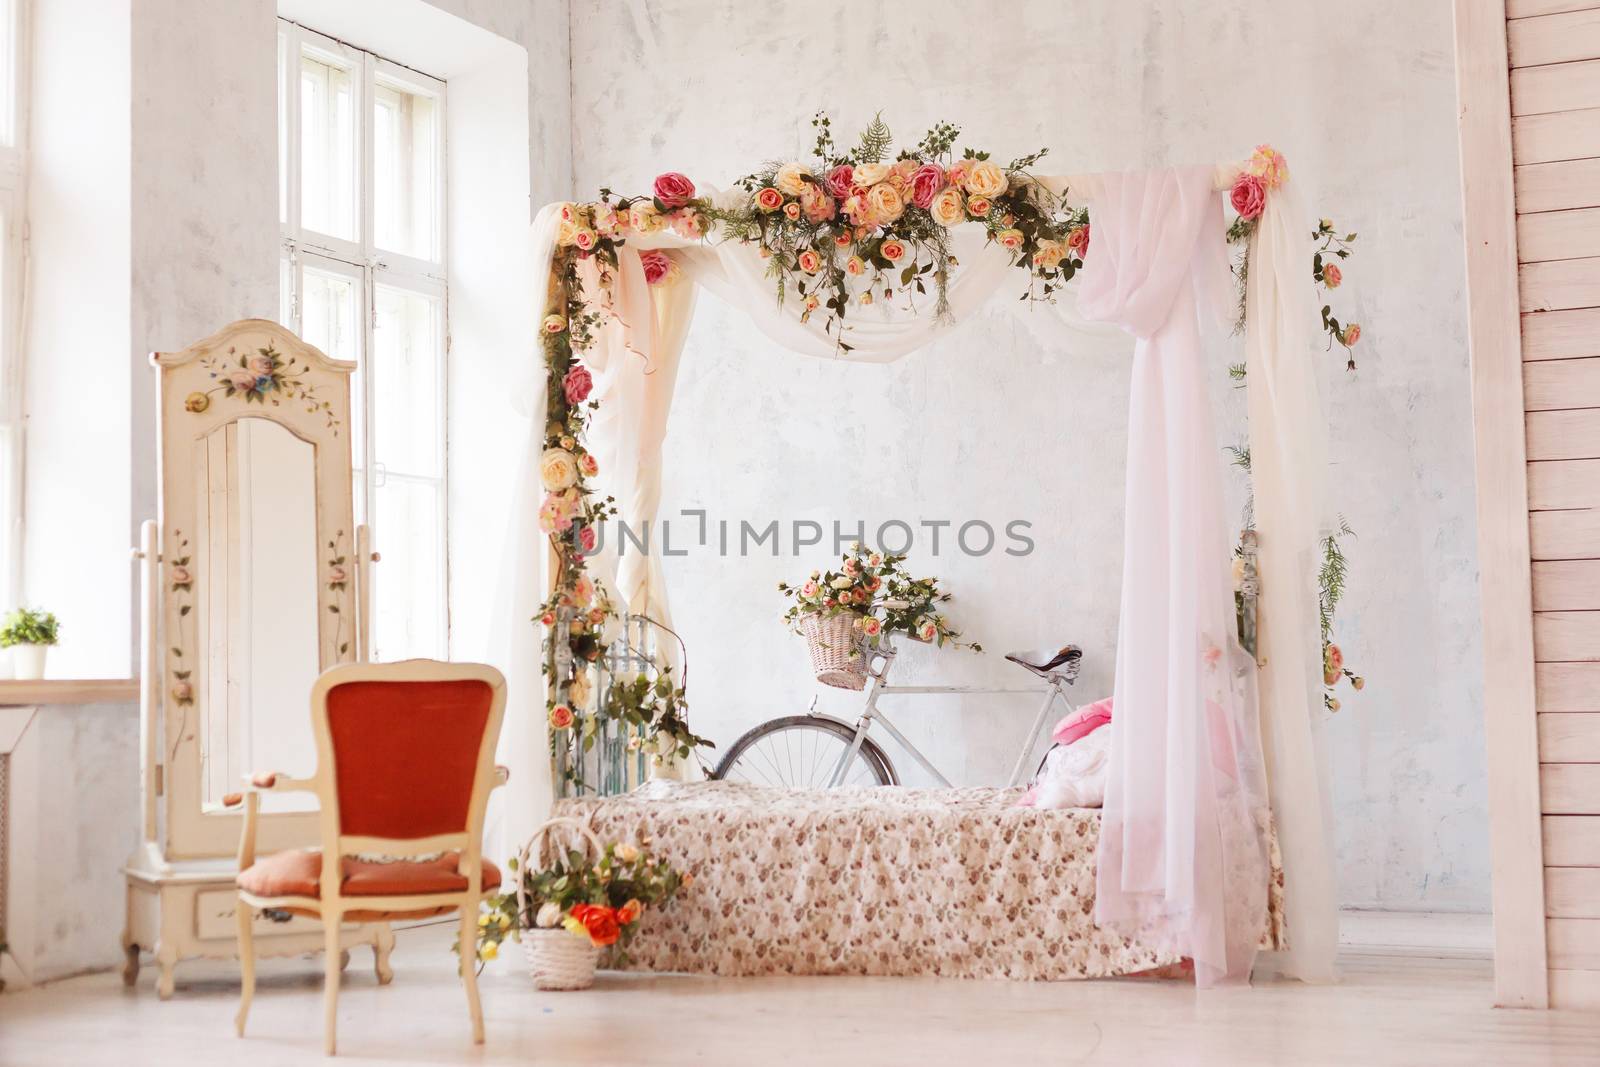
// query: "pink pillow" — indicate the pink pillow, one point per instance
point(1083, 722)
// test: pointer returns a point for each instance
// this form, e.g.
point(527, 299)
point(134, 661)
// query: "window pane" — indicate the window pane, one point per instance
point(407, 400)
point(283, 136)
point(327, 148)
point(405, 163)
point(330, 310)
point(408, 585)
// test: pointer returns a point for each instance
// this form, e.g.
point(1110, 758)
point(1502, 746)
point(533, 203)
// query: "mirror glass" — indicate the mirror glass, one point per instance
point(256, 601)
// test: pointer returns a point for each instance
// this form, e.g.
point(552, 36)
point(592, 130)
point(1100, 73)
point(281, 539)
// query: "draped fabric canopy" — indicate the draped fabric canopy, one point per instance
point(1185, 819)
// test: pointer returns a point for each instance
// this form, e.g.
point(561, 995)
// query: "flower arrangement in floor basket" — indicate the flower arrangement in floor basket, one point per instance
point(575, 904)
point(847, 611)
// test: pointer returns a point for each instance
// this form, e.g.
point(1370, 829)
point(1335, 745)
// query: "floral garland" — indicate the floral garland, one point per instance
point(851, 229)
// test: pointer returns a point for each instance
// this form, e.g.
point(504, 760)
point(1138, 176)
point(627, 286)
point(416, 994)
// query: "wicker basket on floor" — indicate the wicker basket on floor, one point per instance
point(557, 958)
point(836, 653)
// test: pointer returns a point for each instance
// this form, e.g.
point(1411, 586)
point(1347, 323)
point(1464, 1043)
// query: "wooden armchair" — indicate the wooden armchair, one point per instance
point(405, 765)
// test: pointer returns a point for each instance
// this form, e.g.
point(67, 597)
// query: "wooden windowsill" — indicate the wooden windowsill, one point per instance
point(69, 691)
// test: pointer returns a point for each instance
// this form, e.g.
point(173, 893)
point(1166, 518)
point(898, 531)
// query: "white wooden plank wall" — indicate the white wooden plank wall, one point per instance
point(1554, 48)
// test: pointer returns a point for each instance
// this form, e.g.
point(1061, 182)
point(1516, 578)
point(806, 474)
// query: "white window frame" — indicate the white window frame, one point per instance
point(362, 259)
point(15, 56)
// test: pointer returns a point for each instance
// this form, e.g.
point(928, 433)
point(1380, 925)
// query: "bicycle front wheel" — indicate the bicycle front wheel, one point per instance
point(801, 752)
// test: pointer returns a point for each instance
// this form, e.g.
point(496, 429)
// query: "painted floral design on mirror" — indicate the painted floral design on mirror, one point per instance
point(265, 376)
point(338, 576)
point(180, 580)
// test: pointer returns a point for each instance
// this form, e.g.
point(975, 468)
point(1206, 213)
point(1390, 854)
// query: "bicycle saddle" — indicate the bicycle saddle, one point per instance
point(1050, 663)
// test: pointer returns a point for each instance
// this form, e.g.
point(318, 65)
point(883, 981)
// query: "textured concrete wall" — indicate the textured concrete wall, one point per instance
point(1015, 417)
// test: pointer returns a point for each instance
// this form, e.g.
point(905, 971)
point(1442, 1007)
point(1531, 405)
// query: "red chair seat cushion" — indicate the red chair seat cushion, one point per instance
point(298, 873)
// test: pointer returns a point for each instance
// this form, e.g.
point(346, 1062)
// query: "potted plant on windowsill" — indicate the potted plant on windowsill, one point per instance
point(29, 635)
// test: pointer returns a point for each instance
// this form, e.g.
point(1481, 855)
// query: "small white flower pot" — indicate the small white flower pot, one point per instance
point(27, 661)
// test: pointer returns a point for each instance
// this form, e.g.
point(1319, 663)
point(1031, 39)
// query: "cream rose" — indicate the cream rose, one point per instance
point(986, 179)
point(948, 208)
point(555, 323)
point(558, 469)
point(791, 179)
point(871, 173)
point(549, 915)
point(644, 217)
point(885, 202)
point(1049, 254)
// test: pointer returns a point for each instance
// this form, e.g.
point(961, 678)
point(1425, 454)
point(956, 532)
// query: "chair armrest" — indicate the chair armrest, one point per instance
point(250, 797)
point(502, 775)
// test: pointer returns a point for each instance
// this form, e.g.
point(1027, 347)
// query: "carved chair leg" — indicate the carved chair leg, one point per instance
point(242, 913)
point(382, 945)
point(469, 968)
point(330, 982)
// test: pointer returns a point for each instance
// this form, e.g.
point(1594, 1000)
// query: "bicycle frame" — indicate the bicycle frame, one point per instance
point(879, 661)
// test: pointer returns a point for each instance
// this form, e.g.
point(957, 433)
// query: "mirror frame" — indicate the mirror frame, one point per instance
point(309, 395)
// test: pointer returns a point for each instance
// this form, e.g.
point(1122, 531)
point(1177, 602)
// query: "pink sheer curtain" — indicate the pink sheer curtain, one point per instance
point(1184, 859)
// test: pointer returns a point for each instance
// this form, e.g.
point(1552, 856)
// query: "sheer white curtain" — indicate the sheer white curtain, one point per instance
point(1288, 468)
point(1184, 857)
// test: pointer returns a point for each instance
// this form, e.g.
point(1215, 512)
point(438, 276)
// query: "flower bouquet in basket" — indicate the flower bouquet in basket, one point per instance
point(578, 903)
point(842, 612)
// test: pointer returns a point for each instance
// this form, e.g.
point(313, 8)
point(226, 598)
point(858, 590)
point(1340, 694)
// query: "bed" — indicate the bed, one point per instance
point(958, 883)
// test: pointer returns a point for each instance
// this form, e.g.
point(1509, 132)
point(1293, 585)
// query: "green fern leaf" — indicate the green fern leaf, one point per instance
point(876, 140)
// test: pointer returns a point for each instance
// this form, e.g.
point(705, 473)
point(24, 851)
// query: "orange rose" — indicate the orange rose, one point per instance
point(978, 206)
point(893, 250)
point(629, 912)
point(561, 717)
point(600, 922)
point(769, 199)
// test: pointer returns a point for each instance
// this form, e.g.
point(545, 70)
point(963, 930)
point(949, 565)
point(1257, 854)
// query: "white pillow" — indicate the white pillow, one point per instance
point(1074, 775)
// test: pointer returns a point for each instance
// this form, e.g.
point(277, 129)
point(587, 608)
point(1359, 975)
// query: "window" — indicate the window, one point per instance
point(361, 201)
point(13, 189)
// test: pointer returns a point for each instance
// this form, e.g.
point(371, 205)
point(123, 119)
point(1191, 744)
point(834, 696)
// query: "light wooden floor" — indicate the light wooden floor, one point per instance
point(1386, 1011)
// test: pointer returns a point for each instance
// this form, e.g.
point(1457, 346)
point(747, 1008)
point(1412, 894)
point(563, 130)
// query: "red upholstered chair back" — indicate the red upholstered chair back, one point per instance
point(409, 754)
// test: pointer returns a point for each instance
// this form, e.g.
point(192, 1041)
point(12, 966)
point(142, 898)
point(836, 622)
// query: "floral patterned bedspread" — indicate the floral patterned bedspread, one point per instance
point(874, 881)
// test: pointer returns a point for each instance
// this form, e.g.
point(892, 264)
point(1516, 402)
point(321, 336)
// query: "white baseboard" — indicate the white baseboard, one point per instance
point(1433, 934)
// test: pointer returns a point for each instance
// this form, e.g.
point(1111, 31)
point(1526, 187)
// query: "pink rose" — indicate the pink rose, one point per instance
point(658, 266)
point(769, 199)
point(926, 183)
point(808, 261)
point(1078, 240)
point(181, 576)
point(816, 203)
point(688, 224)
point(674, 190)
point(577, 384)
point(336, 575)
point(840, 179)
point(892, 250)
point(1248, 197)
point(182, 692)
point(260, 366)
point(244, 381)
point(588, 538)
point(1352, 334)
point(588, 465)
point(1332, 275)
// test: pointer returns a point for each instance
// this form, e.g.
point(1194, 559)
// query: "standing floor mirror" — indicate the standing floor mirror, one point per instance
point(253, 582)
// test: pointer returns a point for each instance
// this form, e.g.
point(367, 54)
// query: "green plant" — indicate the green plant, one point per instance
point(28, 627)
